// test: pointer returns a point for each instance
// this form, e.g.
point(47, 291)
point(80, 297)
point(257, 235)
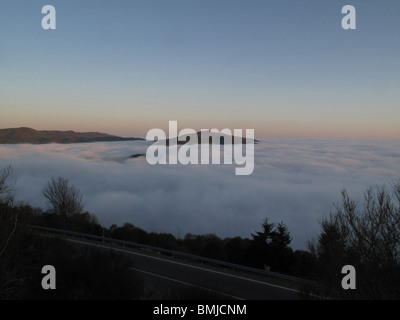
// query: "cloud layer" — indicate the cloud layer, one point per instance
point(295, 181)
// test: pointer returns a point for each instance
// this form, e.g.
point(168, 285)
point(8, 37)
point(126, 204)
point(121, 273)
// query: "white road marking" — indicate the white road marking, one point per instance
point(187, 283)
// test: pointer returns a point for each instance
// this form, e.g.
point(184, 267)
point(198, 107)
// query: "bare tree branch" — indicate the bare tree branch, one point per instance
point(9, 237)
point(64, 199)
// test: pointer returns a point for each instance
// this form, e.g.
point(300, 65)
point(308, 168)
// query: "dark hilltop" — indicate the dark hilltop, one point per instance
point(32, 136)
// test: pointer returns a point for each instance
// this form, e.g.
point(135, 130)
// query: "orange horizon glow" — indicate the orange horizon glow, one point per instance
point(273, 129)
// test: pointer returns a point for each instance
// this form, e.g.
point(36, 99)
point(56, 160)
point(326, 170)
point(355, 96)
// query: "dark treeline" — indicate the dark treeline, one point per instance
point(367, 238)
point(266, 249)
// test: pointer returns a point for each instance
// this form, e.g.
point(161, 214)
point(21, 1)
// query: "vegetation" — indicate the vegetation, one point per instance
point(367, 238)
point(65, 199)
point(82, 273)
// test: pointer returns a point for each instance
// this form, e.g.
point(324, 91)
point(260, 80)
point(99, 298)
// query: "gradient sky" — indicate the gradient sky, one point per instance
point(284, 68)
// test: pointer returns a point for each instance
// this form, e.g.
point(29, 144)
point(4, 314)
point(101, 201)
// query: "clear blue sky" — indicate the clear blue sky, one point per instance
point(283, 68)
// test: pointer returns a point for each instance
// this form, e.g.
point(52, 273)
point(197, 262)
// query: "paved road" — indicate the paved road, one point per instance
point(190, 280)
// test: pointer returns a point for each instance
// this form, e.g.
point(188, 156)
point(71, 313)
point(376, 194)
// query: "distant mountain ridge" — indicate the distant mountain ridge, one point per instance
point(32, 136)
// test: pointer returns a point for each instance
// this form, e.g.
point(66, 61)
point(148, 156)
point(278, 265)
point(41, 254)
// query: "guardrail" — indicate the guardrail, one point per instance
point(172, 252)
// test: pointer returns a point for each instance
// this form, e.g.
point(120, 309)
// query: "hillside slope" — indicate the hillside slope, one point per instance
point(28, 135)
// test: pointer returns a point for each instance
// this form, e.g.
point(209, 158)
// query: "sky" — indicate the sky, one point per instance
point(284, 68)
point(295, 181)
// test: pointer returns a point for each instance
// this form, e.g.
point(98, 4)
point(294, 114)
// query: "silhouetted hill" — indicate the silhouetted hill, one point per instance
point(28, 135)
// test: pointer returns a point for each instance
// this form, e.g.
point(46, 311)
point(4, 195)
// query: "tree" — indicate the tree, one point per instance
point(270, 247)
point(6, 187)
point(9, 233)
point(281, 252)
point(65, 199)
point(8, 218)
point(367, 238)
point(265, 236)
point(281, 238)
point(259, 251)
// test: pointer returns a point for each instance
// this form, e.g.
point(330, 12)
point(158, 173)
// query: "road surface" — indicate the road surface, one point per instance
point(179, 279)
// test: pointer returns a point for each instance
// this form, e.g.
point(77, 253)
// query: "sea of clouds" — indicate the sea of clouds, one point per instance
point(296, 181)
